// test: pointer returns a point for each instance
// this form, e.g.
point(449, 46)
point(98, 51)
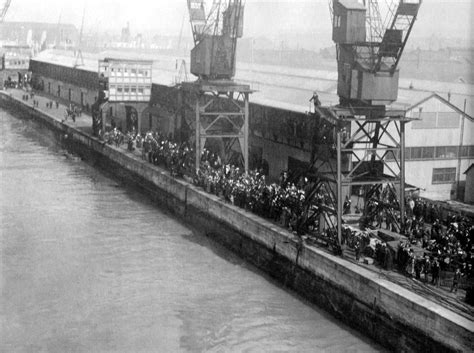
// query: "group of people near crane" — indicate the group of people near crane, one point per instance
point(443, 247)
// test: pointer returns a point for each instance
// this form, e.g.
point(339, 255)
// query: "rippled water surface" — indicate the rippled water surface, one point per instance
point(90, 266)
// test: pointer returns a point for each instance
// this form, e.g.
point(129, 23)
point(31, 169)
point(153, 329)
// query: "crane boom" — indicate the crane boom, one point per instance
point(4, 10)
point(79, 60)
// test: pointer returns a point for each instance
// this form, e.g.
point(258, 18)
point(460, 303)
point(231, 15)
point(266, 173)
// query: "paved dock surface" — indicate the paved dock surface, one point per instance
point(440, 295)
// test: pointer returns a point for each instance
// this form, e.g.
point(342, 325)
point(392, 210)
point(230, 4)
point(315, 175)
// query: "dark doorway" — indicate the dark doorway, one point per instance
point(132, 118)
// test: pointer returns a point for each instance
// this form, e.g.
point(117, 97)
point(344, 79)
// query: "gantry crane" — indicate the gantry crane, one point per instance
point(215, 33)
point(364, 134)
point(4, 10)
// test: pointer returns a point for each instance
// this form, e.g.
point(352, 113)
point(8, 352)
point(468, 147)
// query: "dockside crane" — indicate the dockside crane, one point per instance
point(220, 105)
point(366, 136)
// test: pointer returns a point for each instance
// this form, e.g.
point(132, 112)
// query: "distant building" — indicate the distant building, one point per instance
point(14, 65)
point(41, 35)
point(127, 83)
point(128, 80)
point(439, 147)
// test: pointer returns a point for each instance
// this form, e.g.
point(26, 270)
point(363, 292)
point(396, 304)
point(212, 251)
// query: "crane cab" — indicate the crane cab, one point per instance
point(348, 22)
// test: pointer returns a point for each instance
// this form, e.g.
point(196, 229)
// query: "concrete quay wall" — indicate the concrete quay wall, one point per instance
point(395, 317)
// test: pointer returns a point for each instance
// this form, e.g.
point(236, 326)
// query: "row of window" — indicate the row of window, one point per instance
point(130, 79)
point(126, 71)
point(16, 63)
point(129, 89)
point(435, 152)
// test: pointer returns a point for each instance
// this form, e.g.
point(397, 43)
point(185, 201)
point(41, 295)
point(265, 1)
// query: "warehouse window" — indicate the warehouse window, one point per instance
point(408, 153)
point(444, 175)
point(471, 151)
point(428, 152)
point(415, 153)
point(452, 152)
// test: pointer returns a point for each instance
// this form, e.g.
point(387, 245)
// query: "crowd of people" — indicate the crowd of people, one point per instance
point(441, 247)
point(430, 247)
point(283, 201)
point(157, 149)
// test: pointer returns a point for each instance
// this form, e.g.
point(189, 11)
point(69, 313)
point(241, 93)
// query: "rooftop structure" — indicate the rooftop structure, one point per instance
point(439, 147)
point(128, 80)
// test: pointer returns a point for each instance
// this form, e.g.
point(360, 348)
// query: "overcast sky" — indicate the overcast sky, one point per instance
point(262, 17)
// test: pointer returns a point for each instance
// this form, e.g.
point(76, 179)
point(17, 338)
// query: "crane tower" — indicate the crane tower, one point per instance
point(220, 105)
point(370, 37)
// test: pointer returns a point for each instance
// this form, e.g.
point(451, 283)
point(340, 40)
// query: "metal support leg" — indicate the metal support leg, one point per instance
point(245, 147)
point(339, 188)
point(402, 173)
point(139, 119)
point(198, 135)
point(103, 115)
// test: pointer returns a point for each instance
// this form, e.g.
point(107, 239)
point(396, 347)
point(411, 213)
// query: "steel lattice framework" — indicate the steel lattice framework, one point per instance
point(364, 133)
point(215, 34)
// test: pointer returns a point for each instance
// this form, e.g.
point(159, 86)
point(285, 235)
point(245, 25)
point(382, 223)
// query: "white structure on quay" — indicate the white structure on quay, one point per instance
point(127, 84)
point(439, 147)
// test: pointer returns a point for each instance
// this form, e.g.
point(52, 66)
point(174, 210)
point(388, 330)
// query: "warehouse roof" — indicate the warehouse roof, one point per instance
point(278, 86)
point(441, 99)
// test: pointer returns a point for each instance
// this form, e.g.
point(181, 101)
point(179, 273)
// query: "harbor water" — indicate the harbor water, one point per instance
point(89, 265)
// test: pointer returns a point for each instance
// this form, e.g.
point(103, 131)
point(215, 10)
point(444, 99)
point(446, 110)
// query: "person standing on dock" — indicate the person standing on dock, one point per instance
point(456, 278)
point(435, 272)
